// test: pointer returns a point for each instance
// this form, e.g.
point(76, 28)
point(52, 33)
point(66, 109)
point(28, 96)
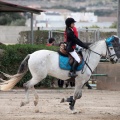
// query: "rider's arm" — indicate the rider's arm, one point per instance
point(76, 40)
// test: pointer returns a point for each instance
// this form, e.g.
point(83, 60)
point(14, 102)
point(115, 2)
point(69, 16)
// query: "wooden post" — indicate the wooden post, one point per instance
point(32, 36)
point(118, 22)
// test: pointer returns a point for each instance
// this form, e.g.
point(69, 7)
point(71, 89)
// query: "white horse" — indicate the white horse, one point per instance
point(44, 62)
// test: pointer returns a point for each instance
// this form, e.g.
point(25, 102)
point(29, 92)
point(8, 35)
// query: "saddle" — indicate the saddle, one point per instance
point(62, 51)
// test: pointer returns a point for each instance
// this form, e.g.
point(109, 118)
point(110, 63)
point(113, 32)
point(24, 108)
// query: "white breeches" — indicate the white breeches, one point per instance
point(75, 56)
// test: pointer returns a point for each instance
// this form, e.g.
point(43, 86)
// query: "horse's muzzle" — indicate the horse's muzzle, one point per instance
point(113, 61)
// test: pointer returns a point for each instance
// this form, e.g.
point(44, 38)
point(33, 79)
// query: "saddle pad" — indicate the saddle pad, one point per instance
point(64, 63)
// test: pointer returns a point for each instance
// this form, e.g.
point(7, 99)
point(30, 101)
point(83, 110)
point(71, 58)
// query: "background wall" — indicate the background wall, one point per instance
point(10, 34)
point(110, 82)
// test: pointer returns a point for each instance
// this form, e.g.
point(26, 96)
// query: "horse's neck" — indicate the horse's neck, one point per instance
point(99, 47)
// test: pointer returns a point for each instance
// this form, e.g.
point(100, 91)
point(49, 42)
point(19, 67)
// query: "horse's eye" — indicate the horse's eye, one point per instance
point(111, 48)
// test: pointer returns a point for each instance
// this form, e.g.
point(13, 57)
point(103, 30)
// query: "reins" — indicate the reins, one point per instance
point(95, 52)
point(89, 57)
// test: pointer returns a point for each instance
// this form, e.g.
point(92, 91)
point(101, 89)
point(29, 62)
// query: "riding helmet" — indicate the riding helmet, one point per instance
point(69, 21)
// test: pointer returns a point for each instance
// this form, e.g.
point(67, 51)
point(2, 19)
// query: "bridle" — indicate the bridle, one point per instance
point(108, 53)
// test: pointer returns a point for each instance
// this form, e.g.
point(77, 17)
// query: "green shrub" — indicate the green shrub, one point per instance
point(18, 22)
point(6, 18)
point(40, 37)
point(114, 25)
point(13, 56)
point(94, 26)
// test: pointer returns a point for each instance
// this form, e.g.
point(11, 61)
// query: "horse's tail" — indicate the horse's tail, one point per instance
point(14, 79)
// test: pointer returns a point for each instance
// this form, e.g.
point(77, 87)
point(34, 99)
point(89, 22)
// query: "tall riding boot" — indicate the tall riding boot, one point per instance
point(74, 67)
point(87, 85)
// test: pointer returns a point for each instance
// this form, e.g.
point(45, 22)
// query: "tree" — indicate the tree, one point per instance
point(6, 18)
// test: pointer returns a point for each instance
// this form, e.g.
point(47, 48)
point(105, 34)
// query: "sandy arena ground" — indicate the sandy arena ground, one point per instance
point(94, 105)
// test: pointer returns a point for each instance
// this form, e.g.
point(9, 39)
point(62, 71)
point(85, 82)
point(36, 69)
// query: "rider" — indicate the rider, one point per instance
point(72, 40)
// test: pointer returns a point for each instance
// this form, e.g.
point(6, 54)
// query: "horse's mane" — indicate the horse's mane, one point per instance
point(91, 46)
point(95, 43)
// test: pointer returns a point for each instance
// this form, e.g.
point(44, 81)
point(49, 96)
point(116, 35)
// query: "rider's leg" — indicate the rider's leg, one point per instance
point(75, 64)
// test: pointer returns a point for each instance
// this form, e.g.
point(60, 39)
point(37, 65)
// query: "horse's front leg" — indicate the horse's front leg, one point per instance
point(72, 99)
point(77, 95)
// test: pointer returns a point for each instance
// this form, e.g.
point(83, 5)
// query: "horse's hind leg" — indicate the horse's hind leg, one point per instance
point(27, 86)
point(30, 84)
point(26, 94)
point(35, 100)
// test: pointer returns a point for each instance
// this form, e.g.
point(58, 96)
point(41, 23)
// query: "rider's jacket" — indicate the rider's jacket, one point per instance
point(72, 40)
point(75, 32)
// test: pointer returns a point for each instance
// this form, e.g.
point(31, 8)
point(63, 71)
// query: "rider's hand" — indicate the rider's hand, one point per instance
point(86, 47)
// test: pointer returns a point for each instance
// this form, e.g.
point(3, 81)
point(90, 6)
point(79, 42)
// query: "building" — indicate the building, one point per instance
point(57, 19)
point(84, 17)
point(50, 16)
point(45, 19)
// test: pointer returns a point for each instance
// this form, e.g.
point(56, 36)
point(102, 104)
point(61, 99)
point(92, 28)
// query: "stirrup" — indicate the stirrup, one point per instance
point(72, 74)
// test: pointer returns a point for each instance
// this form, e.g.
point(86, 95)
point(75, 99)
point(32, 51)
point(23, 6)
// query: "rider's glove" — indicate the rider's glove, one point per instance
point(86, 47)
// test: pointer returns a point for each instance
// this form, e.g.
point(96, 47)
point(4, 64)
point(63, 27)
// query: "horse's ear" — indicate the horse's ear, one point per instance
point(109, 40)
point(112, 40)
point(116, 39)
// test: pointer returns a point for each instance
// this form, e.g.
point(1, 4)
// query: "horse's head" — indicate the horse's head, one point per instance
point(110, 49)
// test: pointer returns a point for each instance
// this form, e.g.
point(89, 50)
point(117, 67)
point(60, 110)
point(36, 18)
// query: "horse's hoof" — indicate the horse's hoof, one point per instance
point(63, 100)
point(35, 103)
point(74, 112)
point(36, 111)
point(21, 104)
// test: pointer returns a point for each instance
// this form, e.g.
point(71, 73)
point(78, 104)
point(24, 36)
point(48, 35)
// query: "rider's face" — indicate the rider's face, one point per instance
point(72, 25)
